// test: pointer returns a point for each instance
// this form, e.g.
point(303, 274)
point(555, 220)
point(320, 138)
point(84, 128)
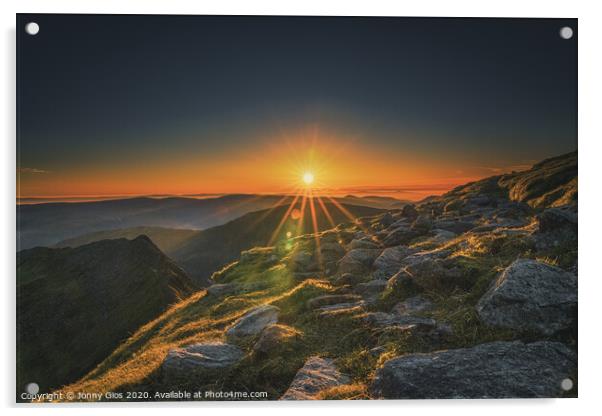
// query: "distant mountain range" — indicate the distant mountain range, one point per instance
point(75, 305)
point(50, 223)
point(200, 253)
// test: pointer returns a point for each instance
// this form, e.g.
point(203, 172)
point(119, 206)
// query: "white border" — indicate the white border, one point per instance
point(590, 237)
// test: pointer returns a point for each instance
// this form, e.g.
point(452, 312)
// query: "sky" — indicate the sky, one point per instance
point(139, 105)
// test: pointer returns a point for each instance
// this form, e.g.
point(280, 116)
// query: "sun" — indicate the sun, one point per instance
point(308, 178)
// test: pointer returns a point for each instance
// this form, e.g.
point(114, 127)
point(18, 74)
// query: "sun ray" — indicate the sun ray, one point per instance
point(314, 219)
point(349, 215)
point(283, 220)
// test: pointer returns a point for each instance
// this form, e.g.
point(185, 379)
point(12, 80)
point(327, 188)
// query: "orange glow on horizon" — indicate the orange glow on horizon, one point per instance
point(331, 165)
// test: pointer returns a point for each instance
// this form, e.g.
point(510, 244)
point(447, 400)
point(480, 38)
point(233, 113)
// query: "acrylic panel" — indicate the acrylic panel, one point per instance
point(295, 208)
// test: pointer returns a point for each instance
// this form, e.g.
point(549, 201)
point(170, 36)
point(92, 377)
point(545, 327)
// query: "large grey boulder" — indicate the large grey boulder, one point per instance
point(318, 374)
point(389, 262)
point(254, 321)
point(531, 295)
point(492, 370)
point(180, 362)
point(358, 260)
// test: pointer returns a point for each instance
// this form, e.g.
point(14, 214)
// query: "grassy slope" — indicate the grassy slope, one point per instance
point(76, 305)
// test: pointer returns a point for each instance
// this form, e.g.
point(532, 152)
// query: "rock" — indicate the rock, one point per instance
point(492, 370)
point(400, 282)
point(422, 224)
point(303, 262)
point(358, 261)
point(386, 220)
point(180, 362)
point(349, 279)
point(372, 287)
point(221, 289)
point(441, 236)
point(341, 308)
point(265, 255)
point(325, 300)
point(391, 319)
point(362, 243)
point(273, 336)
point(316, 375)
point(399, 235)
point(441, 274)
point(531, 295)
point(389, 262)
point(409, 211)
point(457, 227)
point(413, 305)
point(554, 218)
point(331, 252)
point(254, 321)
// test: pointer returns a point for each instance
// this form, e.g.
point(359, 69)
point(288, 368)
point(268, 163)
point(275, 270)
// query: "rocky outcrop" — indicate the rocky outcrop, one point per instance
point(181, 362)
point(254, 321)
point(531, 295)
point(492, 370)
point(318, 374)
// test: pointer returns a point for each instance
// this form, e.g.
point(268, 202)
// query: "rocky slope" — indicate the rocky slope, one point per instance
point(468, 295)
point(76, 305)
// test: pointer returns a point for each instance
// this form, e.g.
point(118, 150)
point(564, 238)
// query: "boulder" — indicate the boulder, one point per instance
point(373, 287)
point(326, 300)
point(531, 295)
point(273, 336)
point(331, 252)
point(349, 279)
point(180, 362)
point(389, 262)
point(457, 227)
point(492, 370)
point(318, 374)
point(554, 218)
point(400, 235)
point(362, 243)
point(441, 236)
point(409, 211)
point(302, 262)
point(254, 321)
point(221, 289)
point(392, 319)
point(358, 260)
point(413, 305)
point(422, 224)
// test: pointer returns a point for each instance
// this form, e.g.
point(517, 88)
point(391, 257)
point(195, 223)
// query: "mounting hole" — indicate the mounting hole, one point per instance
point(32, 28)
point(32, 388)
point(566, 32)
point(567, 384)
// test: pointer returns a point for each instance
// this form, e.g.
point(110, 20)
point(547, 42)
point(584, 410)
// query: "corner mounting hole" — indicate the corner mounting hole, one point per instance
point(32, 28)
point(566, 384)
point(566, 32)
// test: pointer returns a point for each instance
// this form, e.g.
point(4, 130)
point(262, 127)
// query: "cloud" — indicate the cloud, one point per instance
point(33, 170)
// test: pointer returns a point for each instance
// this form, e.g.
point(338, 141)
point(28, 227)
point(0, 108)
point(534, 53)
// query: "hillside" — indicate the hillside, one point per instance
point(76, 305)
point(50, 224)
point(435, 300)
point(167, 239)
point(211, 249)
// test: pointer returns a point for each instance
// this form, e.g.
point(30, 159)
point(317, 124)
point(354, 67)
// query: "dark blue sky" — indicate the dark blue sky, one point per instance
point(93, 88)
